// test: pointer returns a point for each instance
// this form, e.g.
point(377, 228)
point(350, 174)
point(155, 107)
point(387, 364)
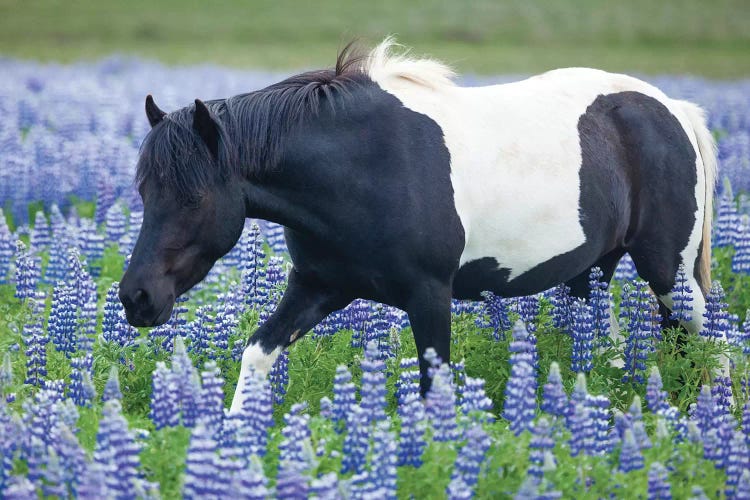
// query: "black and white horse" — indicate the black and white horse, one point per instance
point(397, 185)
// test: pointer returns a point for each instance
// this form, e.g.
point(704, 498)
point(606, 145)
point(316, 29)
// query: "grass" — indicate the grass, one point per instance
point(482, 36)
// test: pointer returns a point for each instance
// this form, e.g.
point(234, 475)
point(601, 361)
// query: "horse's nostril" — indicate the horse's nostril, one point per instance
point(140, 296)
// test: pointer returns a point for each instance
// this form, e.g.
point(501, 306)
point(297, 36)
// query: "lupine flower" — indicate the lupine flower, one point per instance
point(523, 346)
point(189, 387)
point(630, 455)
point(256, 415)
point(599, 414)
point(639, 340)
point(721, 391)
point(583, 337)
point(495, 310)
point(682, 297)
point(706, 412)
point(737, 461)
point(475, 399)
point(520, 391)
point(440, 405)
point(656, 398)
point(292, 484)
point(383, 460)
point(117, 452)
point(356, 442)
point(201, 467)
point(165, 409)
point(373, 390)
point(27, 273)
point(727, 220)
point(40, 235)
point(581, 431)
point(19, 488)
point(72, 458)
point(561, 304)
point(115, 327)
point(541, 441)
point(105, 198)
point(251, 482)
point(658, 483)
point(599, 300)
point(625, 270)
point(279, 377)
point(6, 249)
point(408, 378)
point(411, 443)
point(528, 308)
point(344, 394)
point(115, 223)
point(716, 323)
point(554, 400)
point(211, 405)
point(82, 389)
point(325, 487)
point(36, 352)
point(743, 486)
point(63, 319)
point(295, 454)
point(112, 387)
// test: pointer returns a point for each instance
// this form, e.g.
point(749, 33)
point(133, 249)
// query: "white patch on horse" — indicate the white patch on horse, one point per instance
point(253, 358)
point(515, 151)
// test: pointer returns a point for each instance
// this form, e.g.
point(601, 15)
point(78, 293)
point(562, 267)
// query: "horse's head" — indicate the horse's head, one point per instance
point(193, 211)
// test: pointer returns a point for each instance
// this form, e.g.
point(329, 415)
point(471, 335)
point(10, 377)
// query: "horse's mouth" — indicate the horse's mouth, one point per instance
point(157, 320)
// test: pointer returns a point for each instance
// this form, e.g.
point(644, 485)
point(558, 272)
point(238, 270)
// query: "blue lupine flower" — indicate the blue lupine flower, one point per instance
point(495, 310)
point(523, 346)
point(373, 390)
point(82, 390)
point(256, 415)
point(528, 308)
point(682, 297)
point(541, 442)
point(440, 405)
point(600, 302)
point(36, 352)
point(356, 442)
point(189, 386)
point(721, 391)
point(325, 487)
point(737, 461)
point(520, 391)
point(581, 431)
point(251, 482)
point(561, 304)
point(63, 319)
point(656, 398)
point(411, 443)
point(743, 486)
point(40, 235)
point(706, 411)
point(727, 220)
point(344, 394)
point(72, 458)
point(658, 483)
point(115, 327)
point(470, 457)
point(112, 387)
point(19, 488)
point(53, 485)
point(27, 272)
point(85, 288)
point(716, 323)
point(165, 409)
point(105, 197)
point(202, 478)
point(201, 332)
point(631, 457)
point(600, 443)
point(115, 223)
point(475, 399)
point(583, 337)
point(279, 377)
point(295, 454)
point(383, 461)
point(625, 270)
point(117, 452)
point(211, 403)
point(554, 400)
point(638, 343)
point(57, 265)
point(6, 249)
point(292, 484)
point(408, 379)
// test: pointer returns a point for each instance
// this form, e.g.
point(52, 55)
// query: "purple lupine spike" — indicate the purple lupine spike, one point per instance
point(528, 308)
point(495, 310)
point(658, 483)
point(554, 400)
point(27, 273)
point(561, 304)
point(721, 391)
point(72, 458)
point(211, 402)
point(256, 415)
point(523, 346)
point(600, 442)
point(19, 488)
point(411, 443)
point(40, 234)
point(295, 446)
point(541, 442)
point(716, 323)
point(737, 461)
point(356, 441)
point(165, 409)
point(54, 485)
point(189, 386)
point(201, 465)
point(408, 378)
point(631, 457)
point(325, 487)
point(82, 389)
point(63, 319)
point(706, 411)
point(583, 337)
point(87, 318)
point(117, 452)
point(112, 388)
point(57, 266)
point(600, 303)
point(6, 249)
point(344, 395)
point(625, 270)
point(115, 223)
point(251, 482)
point(682, 297)
point(470, 457)
point(279, 377)
point(638, 342)
point(105, 197)
point(743, 485)
point(475, 399)
point(85, 288)
point(373, 390)
point(36, 352)
point(440, 405)
point(292, 484)
point(727, 220)
point(580, 430)
point(741, 257)
point(115, 327)
point(656, 398)
point(383, 460)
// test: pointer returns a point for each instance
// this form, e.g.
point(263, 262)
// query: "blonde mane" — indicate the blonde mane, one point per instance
point(383, 65)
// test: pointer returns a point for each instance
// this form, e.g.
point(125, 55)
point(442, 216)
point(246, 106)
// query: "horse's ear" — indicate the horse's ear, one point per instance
point(153, 113)
point(206, 127)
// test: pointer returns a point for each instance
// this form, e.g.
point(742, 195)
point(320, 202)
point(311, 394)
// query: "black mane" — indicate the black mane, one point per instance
point(251, 128)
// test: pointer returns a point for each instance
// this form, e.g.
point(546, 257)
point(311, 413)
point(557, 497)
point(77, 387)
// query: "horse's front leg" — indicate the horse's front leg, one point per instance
point(429, 310)
point(304, 305)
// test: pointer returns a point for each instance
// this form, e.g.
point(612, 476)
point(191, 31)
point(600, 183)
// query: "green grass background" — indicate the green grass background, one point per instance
point(703, 37)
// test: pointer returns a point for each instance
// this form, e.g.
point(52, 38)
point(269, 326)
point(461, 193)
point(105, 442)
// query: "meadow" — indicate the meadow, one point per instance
point(530, 407)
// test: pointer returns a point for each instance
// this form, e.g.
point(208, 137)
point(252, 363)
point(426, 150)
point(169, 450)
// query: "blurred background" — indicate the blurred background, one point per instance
point(701, 37)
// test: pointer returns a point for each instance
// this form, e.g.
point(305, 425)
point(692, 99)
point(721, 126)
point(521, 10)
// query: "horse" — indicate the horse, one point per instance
point(396, 184)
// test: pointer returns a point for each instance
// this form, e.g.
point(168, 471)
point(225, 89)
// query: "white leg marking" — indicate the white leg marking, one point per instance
point(253, 359)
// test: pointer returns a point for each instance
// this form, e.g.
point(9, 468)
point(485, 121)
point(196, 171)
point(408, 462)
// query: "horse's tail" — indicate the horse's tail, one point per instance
point(707, 149)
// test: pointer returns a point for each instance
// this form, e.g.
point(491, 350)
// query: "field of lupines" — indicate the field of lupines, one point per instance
point(533, 405)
